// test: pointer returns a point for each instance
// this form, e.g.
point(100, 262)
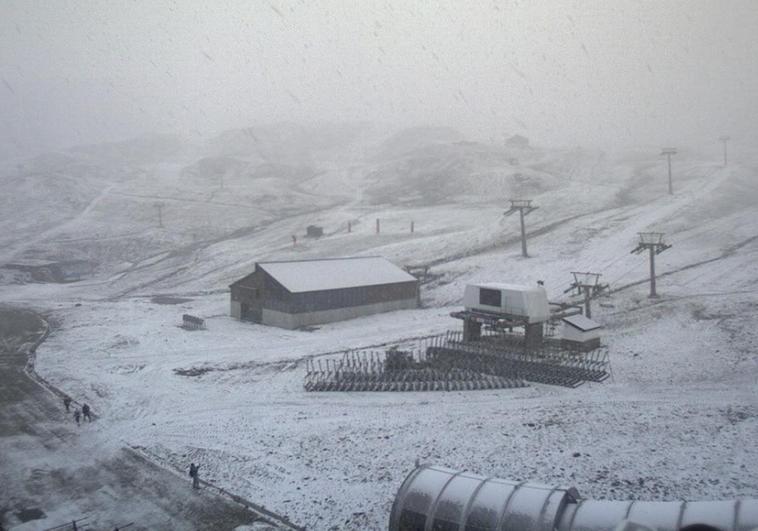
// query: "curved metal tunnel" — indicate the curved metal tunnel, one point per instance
point(440, 499)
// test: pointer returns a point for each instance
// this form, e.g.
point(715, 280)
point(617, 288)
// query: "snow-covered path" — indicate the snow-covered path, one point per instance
point(54, 472)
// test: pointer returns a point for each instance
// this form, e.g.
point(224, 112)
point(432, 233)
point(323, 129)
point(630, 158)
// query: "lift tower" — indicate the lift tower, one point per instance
point(653, 241)
point(668, 152)
point(159, 208)
point(524, 207)
point(724, 139)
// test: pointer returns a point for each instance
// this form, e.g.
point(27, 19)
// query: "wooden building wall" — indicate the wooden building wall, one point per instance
point(249, 294)
point(259, 290)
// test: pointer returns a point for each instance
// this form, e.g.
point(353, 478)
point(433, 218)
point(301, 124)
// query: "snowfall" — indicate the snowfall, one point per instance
point(677, 420)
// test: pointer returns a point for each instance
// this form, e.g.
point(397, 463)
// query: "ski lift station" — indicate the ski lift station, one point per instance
point(299, 293)
point(504, 306)
point(508, 300)
point(507, 306)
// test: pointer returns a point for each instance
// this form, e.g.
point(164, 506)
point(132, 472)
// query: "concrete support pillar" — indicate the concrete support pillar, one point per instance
point(472, 330)
point(587, 305)
point(533, 334)
point(653, 293)
point(523, 234)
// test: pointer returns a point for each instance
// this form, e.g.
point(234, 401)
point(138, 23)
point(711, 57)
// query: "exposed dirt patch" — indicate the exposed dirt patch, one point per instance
point(120, 341)
point(700, 314)
point(251, 365)
point(27, 515)
point(128, 369)
point(167, 299)
point(739, 414)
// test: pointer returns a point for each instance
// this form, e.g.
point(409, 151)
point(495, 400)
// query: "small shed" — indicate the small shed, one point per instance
point(581, 332)
point(314, 231)
point(299, 293)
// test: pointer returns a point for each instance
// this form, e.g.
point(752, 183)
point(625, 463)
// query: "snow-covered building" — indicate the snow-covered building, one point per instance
point(293, 294)
point(581, 332)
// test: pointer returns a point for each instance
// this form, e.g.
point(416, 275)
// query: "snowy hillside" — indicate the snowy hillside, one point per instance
point(102, 202)
point(132, 209)
point(678, 420)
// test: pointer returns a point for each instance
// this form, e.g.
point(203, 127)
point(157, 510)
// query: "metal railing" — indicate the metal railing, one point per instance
point(446, 362)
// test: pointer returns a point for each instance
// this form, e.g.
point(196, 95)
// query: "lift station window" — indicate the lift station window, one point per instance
point(490, 297)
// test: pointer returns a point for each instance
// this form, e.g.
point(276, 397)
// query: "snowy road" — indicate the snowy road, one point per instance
point(53, 472)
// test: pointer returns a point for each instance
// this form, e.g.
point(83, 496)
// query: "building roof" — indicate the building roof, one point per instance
point(335, 273)
point(582, 323)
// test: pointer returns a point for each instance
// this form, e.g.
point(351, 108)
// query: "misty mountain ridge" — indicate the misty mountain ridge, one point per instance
point(126, 207)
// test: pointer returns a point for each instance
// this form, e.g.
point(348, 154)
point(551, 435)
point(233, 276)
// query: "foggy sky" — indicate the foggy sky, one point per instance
point(604, 72)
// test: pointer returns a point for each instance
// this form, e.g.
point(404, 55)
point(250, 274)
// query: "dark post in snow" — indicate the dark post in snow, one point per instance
point(411, 227)
point(377, 225)
point(589, 284)
point(724, 139)
point(159, 207)
point(668, 152)
point(294, 240)
point(653, 242)
point(524, 207)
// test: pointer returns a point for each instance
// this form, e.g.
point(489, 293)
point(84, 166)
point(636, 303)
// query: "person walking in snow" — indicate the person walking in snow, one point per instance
point(87, 413)
point(67, 403)
point(77, 416)
point(194, 473)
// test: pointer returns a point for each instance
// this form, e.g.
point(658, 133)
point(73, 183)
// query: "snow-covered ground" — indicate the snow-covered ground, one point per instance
point(679, 419)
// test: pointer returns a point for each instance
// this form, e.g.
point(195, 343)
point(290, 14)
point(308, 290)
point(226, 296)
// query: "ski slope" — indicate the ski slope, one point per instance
point(678, 419)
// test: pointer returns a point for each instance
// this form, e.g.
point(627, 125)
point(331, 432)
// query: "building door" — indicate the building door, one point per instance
point(250, 313)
